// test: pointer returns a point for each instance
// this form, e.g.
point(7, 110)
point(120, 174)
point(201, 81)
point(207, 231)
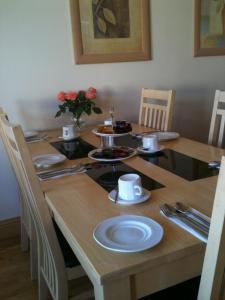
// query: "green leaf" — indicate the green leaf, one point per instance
point(101, 25)
point(58, 114)
point(109, 15)
point(97, 110)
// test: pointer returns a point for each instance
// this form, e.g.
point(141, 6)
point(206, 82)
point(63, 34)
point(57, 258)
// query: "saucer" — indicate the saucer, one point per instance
point(146, 195)
point(144, 150)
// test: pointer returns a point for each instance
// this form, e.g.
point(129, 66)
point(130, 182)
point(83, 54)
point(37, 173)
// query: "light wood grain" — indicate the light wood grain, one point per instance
point(79, 205)
point(214, 261)
point(28, 241)
point(52, 272)
point(216, 131)
point(153, 114)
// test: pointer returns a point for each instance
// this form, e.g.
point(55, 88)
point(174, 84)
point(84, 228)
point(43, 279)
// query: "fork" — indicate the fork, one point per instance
point(170, 212)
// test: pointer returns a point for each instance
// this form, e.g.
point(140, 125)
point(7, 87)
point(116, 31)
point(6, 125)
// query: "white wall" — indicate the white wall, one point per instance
point(36, 61)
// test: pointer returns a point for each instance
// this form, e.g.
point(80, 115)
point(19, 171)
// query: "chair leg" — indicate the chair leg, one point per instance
point(24, 238)
point(33, 259)
point(43, 290)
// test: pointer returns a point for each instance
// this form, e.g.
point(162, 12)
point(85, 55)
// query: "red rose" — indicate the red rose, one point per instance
point(90, 96)
point(92, 90)
point(71, 95)
point(61, 96)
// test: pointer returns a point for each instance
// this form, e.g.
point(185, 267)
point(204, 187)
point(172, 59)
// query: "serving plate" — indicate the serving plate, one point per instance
point(116, 153)
point(30, 133)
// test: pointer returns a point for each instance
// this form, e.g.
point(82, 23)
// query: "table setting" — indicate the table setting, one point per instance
point(125, 227)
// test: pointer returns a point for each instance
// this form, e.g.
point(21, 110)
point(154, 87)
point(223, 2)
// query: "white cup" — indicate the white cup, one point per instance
point(150, 142)
point(108, 122)
point(69, 132)
point(129, 186)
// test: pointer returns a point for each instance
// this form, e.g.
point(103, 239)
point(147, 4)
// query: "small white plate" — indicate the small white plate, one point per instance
point(144, 197)
point(144, 150)
point(47, 160)
point(128, 233)
point(95, 131)
point(30, 133)
point(166, 135)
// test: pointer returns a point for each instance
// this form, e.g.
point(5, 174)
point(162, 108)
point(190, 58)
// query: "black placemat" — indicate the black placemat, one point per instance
point(107, 175)
point(177, 163)
point(180, 164)
point(76, 148)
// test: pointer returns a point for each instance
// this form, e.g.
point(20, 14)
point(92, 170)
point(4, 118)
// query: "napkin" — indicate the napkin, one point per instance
point(191, 230)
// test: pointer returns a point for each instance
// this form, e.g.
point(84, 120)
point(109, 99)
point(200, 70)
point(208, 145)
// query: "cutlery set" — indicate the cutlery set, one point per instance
point(215, 164)
point(79, 168)
point(188, 216)
point(34, 139)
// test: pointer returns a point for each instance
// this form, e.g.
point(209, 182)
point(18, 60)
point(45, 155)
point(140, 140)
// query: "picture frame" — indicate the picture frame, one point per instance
point(209, 27)
point(106, 31)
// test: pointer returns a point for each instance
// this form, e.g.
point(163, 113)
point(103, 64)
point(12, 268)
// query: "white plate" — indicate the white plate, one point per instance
point(143, 150)
point(128, 233)
point(144, 197)
point(91, 153)
point(110, 134)
point(166, 135)
point(48, 159)
point(30, 133)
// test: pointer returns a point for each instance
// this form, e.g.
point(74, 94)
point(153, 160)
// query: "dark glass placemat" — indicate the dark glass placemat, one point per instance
point(180, 164)
point(107, 175)
point(73, 149)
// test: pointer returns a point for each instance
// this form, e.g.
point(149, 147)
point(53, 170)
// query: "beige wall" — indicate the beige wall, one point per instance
point(36, 61)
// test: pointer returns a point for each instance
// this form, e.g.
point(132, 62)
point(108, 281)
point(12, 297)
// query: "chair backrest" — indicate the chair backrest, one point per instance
point(156, 109)
point(216, 131)
point(214, 262)
point(25, 216)
point(51, 262)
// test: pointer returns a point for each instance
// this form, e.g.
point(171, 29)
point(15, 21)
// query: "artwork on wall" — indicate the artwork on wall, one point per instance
point(110, 31)
point(209, 27)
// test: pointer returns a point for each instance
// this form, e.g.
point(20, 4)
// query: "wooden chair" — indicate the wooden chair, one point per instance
point(28, 238)
point(55, 257)
point(212, 279)
point(216, 131)
point(156, 109)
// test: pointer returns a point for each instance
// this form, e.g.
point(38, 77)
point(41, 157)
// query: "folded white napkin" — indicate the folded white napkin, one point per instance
point(191, 230)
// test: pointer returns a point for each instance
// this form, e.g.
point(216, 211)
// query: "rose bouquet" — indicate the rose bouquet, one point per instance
point(78, 103)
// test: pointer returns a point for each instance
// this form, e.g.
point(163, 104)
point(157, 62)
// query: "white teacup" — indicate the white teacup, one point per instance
point(150, 142)
point(108, 122)
point(129, 186)
point(69, 132)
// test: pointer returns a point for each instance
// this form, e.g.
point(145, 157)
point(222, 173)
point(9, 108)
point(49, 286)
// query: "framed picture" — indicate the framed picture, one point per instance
point(110, 30)
point(209, 27)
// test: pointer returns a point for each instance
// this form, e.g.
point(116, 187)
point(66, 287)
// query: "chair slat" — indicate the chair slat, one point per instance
point(219, 97)
point(155, 113)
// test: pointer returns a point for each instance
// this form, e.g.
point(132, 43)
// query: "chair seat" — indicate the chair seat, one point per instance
point(70, 258)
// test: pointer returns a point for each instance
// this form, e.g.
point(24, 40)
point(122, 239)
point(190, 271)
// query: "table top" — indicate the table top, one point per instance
point(79, 204)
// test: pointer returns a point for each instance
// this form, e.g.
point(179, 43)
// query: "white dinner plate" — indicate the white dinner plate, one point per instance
point(144, 150)
point(166, 135)
point(128, 233)
point(139, 199)
point(48, 159)
point(95, 131)
point(30, 133)
point(92, 153)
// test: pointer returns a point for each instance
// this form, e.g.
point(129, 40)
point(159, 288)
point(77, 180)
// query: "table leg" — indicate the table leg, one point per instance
point(116, 290)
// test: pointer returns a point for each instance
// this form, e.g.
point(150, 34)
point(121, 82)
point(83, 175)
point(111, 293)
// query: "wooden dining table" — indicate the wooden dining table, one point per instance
point(78, 204)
